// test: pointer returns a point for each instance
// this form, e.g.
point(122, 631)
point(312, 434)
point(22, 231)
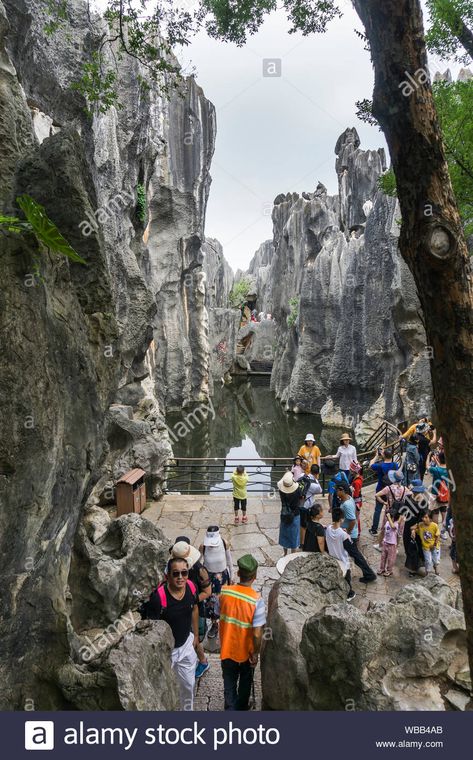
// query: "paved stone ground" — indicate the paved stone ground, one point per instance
point(190, 515)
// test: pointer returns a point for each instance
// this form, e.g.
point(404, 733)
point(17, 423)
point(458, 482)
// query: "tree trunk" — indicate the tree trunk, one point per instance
point(432, 243)
point(465, 36)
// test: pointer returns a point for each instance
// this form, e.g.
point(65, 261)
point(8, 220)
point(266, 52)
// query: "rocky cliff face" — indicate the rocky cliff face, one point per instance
point(354, 349)
point(224, 321)
point(90, 355)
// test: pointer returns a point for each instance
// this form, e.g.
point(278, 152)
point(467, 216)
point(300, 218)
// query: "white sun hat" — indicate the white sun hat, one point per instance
point(287, 484)
point(183, 550)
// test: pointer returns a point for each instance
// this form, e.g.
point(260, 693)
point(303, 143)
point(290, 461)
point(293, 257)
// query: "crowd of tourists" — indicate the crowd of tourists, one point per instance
point(200, 596)
point(405, 509)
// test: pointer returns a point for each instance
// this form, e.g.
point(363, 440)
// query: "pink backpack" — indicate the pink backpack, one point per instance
point(161, 592)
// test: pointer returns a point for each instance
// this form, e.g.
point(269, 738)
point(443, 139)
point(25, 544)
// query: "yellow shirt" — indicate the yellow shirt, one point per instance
point(239, 485)
point(309, 456)
point(410, 431)
point(429, 535)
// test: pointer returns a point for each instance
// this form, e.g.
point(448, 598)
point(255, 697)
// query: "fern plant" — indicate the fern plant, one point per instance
point(40, 225)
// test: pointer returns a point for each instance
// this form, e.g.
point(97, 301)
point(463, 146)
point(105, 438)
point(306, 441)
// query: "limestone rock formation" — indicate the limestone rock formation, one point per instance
point(218, 275)
point(399, 655)
point(307, 586)
point(100, 350)
point(355, 350)
point(125, 667)
point(115, 565)
point(260, 273)
point(224, 321)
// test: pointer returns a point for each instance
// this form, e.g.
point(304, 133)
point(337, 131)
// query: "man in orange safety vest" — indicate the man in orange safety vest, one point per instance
point(242, 618)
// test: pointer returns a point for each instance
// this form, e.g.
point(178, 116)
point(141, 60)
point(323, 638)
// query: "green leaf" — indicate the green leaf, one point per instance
point(13, 224)
point(45, 230)
point(8, 219)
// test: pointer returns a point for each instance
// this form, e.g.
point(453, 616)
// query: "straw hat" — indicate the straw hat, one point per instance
point(345, 437)
point(287, 484)
point(183, 550)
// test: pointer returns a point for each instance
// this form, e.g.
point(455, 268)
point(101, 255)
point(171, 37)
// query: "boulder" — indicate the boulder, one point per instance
point(132, 672)
point(399, 655)
point(115, 568)
point(307, 586)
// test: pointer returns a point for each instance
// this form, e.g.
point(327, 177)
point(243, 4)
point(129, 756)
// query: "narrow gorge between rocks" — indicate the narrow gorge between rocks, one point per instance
point(140, 358)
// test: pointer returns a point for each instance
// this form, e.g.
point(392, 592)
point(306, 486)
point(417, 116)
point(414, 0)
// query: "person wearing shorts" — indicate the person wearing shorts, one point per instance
point(429, 533)
point(240, 481)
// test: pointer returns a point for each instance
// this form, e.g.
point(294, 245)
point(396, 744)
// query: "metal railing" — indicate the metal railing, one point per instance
point(204, 475)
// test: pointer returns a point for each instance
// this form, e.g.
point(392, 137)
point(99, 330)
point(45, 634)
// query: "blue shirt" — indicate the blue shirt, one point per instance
point(381, 469)
point(340, 477)
point(349, 510)
point(439, 474)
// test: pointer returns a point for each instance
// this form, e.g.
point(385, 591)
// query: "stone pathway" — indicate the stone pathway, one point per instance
point(190, 515)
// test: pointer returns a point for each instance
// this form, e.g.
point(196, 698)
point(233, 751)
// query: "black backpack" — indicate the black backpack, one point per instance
point(304, 483)
point(398, 504)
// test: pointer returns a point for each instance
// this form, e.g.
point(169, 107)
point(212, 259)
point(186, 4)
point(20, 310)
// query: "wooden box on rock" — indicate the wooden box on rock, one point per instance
point(131, 492)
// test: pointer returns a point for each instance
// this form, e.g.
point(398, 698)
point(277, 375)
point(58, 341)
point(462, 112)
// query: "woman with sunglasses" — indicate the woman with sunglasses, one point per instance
point(176, 602)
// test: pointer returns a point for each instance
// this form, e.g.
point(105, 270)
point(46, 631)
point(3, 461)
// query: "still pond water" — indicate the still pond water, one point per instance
point(248, 426)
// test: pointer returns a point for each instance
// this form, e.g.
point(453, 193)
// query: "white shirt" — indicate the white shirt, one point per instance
point(347, 455)
point(334, 538)
point(314, 489)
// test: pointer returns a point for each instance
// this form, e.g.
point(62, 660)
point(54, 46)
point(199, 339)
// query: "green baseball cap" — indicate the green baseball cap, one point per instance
point(248, 564)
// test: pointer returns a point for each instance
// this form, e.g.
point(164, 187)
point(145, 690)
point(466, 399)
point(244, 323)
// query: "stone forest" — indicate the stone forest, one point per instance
point(142, 380)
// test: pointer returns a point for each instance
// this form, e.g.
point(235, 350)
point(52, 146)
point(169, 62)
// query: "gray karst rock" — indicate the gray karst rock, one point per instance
point(125, 668)
point(224, 326)
point(101, 350)
point(356, 349)
point(293, 599)
point(218, 275)
point(260, 271)
point(114, 567)
point(399, 655)
point(224, 321)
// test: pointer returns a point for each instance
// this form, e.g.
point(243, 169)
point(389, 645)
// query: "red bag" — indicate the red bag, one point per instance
point(443, 493)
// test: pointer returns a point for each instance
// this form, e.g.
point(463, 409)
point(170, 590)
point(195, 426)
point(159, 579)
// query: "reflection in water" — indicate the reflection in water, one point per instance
point(250, 427)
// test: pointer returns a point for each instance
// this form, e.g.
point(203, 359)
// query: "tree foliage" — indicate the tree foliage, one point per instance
point(450, 34)
point(239, 293)
point(148, 36)
point(454, 103)
point(234, 20)
point(293, 315)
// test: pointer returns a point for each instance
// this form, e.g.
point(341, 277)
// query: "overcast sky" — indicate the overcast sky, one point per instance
point(277, 134)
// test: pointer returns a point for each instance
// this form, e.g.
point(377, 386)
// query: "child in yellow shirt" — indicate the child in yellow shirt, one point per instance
point(240, 480)
point(429, 533)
